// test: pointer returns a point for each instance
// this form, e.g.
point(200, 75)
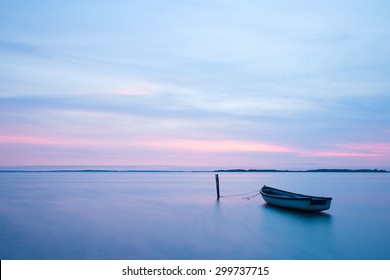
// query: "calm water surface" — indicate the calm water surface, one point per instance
point(176, 216)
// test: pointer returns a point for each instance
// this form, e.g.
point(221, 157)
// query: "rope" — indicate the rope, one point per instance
point(251, 196)
point(241, 194)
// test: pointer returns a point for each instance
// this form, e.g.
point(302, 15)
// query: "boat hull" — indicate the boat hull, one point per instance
point(296, 201)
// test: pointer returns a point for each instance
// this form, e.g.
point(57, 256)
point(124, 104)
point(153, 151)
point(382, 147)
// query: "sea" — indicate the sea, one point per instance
point(177, 216)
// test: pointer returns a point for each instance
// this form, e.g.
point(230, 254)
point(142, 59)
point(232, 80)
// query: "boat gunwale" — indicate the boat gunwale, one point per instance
point(298, 196)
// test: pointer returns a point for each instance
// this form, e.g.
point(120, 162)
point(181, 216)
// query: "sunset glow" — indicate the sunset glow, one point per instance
point(223, 85)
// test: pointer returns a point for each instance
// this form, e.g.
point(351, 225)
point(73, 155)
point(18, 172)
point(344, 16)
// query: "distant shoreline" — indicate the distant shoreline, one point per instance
point(309, 170)
point(93, 171)
point(199, 171)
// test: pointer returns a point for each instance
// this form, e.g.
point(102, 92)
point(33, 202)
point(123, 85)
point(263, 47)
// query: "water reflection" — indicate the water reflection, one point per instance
point(324, 216)
point(177, 216)
point(292, 234)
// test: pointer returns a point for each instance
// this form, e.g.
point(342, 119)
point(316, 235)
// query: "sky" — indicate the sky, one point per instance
point(208, 83)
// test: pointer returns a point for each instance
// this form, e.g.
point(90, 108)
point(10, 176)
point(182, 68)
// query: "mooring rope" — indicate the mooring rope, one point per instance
point(252, 196)
point(242, 194)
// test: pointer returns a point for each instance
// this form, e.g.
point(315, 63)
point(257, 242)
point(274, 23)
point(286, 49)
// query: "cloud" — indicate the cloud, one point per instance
point(337, 154)
point(21, 48)
point(46, 141)
point(241, 78)
point(145, 88)
point(353, 150)
point(216, 146)
point(258, 105)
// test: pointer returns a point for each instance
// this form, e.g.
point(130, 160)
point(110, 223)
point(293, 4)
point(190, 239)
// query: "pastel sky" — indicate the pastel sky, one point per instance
point(225, 84)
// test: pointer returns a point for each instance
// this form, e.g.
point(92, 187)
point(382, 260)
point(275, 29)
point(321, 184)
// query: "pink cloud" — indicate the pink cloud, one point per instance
point(41, 140)
point(84, 148)
point(340, 154)
point(354, 150)
point(217, 145)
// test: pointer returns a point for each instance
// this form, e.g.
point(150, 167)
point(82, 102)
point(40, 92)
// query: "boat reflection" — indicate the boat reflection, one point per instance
point(297, 213)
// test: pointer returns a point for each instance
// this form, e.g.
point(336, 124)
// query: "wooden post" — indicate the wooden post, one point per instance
point(217, 185)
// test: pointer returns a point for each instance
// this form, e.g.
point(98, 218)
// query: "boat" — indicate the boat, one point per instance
point(296, 201)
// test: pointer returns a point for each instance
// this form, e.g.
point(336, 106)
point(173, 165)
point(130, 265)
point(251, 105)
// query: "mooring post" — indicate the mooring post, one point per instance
point(217, 185)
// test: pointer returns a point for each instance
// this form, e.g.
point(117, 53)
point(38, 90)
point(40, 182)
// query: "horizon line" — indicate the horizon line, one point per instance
point(237, 170)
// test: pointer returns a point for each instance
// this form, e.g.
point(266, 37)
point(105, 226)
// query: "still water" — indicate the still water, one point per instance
point(99, 215)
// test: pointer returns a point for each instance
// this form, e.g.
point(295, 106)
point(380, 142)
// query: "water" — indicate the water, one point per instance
point(176, 216)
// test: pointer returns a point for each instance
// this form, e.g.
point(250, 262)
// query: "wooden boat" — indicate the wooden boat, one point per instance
point(297, 201)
